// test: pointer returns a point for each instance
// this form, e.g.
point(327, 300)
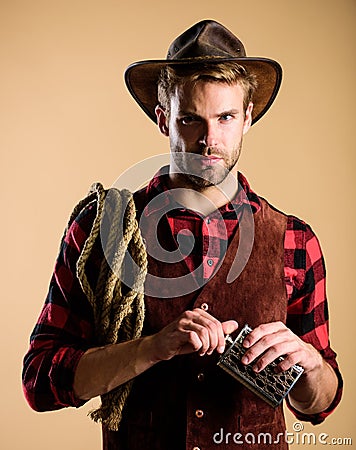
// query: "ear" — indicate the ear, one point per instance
point(162, 121)
point(248, 118)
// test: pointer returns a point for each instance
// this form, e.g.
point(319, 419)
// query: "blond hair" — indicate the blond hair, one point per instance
point(228, 72)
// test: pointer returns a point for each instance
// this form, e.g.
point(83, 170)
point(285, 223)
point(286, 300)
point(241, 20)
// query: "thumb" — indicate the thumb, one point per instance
point(229, 326)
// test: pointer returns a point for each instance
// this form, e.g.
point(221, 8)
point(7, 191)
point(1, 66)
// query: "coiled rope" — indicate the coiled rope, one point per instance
point(118, 310)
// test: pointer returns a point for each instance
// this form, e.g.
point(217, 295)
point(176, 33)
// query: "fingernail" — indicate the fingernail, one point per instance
point(244, 359)
point(221, 349)
point(246, 343)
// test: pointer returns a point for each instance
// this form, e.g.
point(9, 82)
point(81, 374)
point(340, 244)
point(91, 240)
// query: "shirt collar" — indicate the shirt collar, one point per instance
point(159, 186)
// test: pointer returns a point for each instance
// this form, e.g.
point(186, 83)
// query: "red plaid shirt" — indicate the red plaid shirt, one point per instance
point(65, 328)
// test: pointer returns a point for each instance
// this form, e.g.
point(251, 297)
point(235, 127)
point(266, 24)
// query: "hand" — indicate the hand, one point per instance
point(193, 331)
point(269, 341)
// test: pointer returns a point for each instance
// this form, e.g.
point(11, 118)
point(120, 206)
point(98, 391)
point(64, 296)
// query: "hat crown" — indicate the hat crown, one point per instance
point(206, 42)
point(207, 38)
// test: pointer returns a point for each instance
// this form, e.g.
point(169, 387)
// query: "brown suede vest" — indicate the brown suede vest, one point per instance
point(189, 402)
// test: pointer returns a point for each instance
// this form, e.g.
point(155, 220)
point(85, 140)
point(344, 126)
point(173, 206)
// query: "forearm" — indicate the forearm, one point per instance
point(102, 369)
point(315, 390)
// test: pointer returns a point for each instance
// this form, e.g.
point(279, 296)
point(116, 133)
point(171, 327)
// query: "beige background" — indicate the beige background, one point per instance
point(67, 120)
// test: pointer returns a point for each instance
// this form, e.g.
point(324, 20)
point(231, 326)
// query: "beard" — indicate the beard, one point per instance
point(197, 174)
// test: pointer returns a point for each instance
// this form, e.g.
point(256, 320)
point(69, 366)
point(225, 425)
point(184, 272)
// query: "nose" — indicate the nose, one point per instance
point(210, 134)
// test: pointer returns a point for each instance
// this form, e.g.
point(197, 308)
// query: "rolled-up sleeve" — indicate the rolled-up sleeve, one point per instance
point(64, 330)
point(308, 314)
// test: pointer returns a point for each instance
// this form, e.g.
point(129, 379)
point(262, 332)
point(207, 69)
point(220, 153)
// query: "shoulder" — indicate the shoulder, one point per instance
point(300, 242)
point(80, 225)
point(294, 223)
point(141, 199)
point(303, 254)
point(83, 220)
point(300, 232)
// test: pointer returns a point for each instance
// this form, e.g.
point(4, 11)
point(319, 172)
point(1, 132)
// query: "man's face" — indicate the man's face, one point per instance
point(205, 128)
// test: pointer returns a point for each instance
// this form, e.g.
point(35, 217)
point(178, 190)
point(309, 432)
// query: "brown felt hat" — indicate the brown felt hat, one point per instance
point(205, 41)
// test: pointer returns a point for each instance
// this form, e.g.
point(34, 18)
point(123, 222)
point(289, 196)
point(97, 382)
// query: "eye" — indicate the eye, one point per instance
point(226, 117)
point(187, 120)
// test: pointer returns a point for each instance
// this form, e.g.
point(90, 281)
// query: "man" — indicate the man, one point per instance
point(209, 94)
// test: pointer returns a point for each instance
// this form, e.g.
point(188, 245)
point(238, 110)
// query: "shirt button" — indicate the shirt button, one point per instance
point(199, 413)
point(210, 262)
point(208, 221)
point(201, 377)
point(204, 306)
point(196, 448)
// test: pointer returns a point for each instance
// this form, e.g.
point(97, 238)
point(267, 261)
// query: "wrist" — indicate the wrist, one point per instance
point(147, 351)
point(315, 365)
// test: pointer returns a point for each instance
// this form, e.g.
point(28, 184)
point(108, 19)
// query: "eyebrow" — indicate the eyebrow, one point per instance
point(223, 113)
point(185, 112)
point(231, 112)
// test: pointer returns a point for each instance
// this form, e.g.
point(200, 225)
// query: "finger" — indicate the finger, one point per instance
point(193, 343)
point(214, 329)
point(269, 343)
point(269, 356)
point(269, 348)
point(261, 331)
point(229, 326)
point(288, 362)
point(201, 336)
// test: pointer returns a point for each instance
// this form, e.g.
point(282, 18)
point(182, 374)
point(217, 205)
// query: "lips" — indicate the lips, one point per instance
point(210, 160)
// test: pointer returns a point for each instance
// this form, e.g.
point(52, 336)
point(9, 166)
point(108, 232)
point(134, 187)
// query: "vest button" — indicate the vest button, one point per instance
point(196, 448)
point(204, 306)
point(201, 377)
point(210, 262)
point(199, 413)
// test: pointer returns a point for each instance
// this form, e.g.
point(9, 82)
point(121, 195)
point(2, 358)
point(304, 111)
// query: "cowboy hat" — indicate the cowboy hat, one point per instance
point(205, 41)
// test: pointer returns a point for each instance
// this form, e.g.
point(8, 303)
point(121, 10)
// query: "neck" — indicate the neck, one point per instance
point(204, 200)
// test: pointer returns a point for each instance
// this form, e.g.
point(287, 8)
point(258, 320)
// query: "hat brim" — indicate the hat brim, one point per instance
point(141, 80)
